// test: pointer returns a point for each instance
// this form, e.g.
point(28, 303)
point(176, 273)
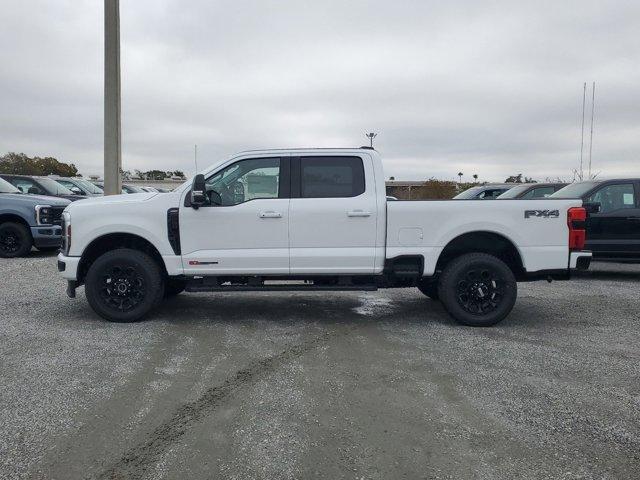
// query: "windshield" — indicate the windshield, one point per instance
point(514, 192)
point(6, 187)
point(468, 194)
point(574, 190)
point(53, 188)
point(132, 189)
point(88, 186)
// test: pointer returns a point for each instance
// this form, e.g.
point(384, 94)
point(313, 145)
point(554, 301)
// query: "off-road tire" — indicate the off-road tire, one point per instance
point(15, 240)
point(478, 289)
point(124, 285)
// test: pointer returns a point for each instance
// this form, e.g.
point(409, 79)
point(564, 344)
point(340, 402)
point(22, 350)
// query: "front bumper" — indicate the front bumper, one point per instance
point(46, 236)
point(68, 267)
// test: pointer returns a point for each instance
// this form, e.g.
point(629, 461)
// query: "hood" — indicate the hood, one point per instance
point(35, 199)
point(122, 198)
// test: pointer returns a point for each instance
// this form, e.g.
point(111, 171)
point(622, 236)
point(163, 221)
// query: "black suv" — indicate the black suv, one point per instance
point(41, 186)
point(613, 226)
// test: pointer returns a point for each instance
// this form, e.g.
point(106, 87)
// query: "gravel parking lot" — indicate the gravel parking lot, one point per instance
point(318, 385)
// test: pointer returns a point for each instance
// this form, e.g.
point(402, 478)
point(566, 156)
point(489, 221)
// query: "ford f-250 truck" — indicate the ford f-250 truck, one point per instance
point(27, 221)
point(313, 219)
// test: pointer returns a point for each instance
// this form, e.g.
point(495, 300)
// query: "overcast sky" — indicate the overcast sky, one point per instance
point(492, 88)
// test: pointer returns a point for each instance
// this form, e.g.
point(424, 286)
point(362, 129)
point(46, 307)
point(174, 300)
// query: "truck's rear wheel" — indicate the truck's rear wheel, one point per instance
point(478, 289)
point(429, 287)
point(124, 285)
point(15, 240)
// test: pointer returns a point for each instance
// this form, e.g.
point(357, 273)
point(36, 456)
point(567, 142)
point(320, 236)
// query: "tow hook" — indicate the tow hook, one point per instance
point(71, 288)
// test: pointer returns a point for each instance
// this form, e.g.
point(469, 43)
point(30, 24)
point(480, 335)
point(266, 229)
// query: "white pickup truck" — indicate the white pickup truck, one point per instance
point(313, 219)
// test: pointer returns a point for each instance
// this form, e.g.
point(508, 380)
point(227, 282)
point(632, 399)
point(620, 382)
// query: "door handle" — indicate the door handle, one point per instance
point(358, 213)
point(270, 214)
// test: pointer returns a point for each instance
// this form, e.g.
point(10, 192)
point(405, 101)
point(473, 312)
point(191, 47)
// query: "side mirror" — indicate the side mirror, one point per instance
point(198, 192)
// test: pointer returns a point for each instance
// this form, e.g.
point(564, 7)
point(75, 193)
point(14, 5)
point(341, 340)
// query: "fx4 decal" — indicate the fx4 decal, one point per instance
point(541, 213)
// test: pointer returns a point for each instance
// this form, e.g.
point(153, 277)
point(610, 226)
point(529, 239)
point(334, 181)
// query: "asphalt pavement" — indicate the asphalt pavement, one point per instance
point(375, 385)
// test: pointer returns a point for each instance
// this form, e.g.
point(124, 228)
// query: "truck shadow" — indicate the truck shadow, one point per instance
point(615, 275)
point(300, 309)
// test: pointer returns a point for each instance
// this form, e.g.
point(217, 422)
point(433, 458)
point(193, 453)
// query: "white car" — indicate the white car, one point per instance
point(320, 219)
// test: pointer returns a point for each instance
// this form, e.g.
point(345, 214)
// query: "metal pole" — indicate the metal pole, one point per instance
point(112, 132)
point(593, 101)
point(584, 96)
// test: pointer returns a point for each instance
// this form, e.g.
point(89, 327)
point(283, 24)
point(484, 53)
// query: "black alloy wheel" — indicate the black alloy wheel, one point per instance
point(15, 240)
point(124, 285)
point(478, 289)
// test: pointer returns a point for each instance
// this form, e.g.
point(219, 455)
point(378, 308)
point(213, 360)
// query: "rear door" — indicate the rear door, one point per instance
point(615, 230)
point(333, 214)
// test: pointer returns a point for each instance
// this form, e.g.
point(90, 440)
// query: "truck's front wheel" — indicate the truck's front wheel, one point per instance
point(478, 289)
point(15, 240)
point(123, 285)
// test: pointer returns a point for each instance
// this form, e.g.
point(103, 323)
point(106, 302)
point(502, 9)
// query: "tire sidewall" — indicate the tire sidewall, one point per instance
point(455, 271)
point(24, 239)
point(144, 265)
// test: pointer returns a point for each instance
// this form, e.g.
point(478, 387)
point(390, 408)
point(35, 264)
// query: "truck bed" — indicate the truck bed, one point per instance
point(533, 226)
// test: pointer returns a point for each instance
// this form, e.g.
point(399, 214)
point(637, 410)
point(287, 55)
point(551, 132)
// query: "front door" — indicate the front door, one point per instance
point(615, 230)
point(333, 215)
point(244, 227)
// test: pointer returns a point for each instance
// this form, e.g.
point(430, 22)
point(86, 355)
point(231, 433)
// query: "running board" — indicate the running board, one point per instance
point(200, 285)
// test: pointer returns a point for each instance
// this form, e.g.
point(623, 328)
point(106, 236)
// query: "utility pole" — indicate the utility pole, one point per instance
point(584, 97)
point(593, 101)
point(112, 131)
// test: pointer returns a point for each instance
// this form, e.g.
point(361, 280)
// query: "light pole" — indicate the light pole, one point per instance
point(112, 132)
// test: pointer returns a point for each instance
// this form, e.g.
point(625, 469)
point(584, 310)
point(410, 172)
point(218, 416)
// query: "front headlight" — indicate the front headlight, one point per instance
point(66, 233)
point(44, 215)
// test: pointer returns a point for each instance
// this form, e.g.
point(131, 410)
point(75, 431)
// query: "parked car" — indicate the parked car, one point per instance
point(531, 190)
point(41, 186)
point(125, 188)
point(484, 192)
point(79, 186)
point(613, 227)
point(149, 189)
point(316, 215)
point(28, 220)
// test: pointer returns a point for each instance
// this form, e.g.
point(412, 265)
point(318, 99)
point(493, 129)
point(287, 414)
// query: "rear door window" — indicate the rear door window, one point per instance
point(331, 177)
